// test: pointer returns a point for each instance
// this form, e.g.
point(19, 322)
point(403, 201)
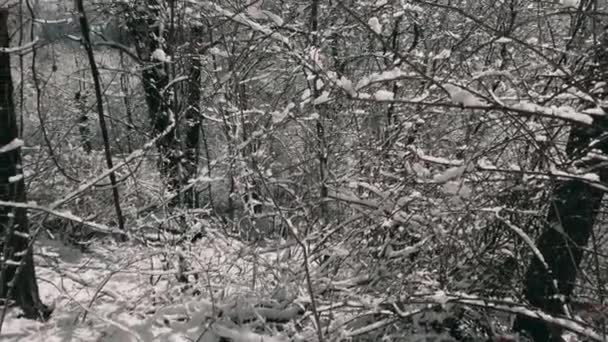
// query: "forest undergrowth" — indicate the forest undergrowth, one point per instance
point(248, 171)
point(114, 293)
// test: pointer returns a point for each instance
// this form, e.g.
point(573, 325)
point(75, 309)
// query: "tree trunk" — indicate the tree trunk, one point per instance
point(193, 122)
point(320, 128)
point(143, 25)
point(17, 275)
point(84, 27)
point(83, 121)
point(570, 220)
point(80, 101)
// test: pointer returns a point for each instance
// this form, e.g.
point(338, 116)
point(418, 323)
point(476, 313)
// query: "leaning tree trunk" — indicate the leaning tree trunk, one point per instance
point(574, 208)
point(85, 29)
point(17, 275)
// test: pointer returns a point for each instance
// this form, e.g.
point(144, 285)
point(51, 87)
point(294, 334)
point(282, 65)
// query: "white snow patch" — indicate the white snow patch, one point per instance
point(218, 52)
point(275, 18)
point(457, 189)
point(440, 297)
point(254, 11)
point(444, 54)
point(594, 111)
point(437, 160)
point(375, 25)
point(563, 112)
point(316, 56)
point(278, 117)
point(388, 75)
point(449, 174)
point(160, 55)
point(51, 22)
point(485, 163)
point(570, 3)
point(463, 97)
point(13, 145)
point(420, 170)
point(410, 7)
point(347, 85)
point(241, 18)
point(384, 95)
point(319, 84)
point(594, 177)
point(305, 94)
point(15, 178)
point(324, 97)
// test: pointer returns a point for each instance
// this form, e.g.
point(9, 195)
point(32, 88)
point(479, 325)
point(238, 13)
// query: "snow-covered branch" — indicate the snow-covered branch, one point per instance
point(62, 214)
point(443, 298)
point(22, 49)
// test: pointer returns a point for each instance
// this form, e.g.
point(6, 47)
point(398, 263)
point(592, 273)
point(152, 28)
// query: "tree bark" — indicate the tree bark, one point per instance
point(193, 121)
point(574, 208)
point(83, 122)
point(17, 275)
point(85, 29)
point(569, 224)
point(320, 128)
point(143, 26)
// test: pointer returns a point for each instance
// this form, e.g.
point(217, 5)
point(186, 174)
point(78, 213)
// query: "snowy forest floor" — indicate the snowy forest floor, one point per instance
point(131, 293)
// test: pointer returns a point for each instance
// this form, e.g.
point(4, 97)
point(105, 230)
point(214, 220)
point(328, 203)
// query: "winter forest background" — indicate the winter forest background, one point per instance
point(303, 170)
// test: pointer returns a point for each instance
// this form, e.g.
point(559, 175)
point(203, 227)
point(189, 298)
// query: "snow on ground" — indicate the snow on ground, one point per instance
point(130, 292)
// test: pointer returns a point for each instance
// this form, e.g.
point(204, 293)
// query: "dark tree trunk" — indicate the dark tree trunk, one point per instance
point(17, 275)
point(83, 122)
point(84, 27)
point(143, 26)
point(570, 220)
point(155, 80)
point(320, 128)
point(124, 86)
point(193, 121)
